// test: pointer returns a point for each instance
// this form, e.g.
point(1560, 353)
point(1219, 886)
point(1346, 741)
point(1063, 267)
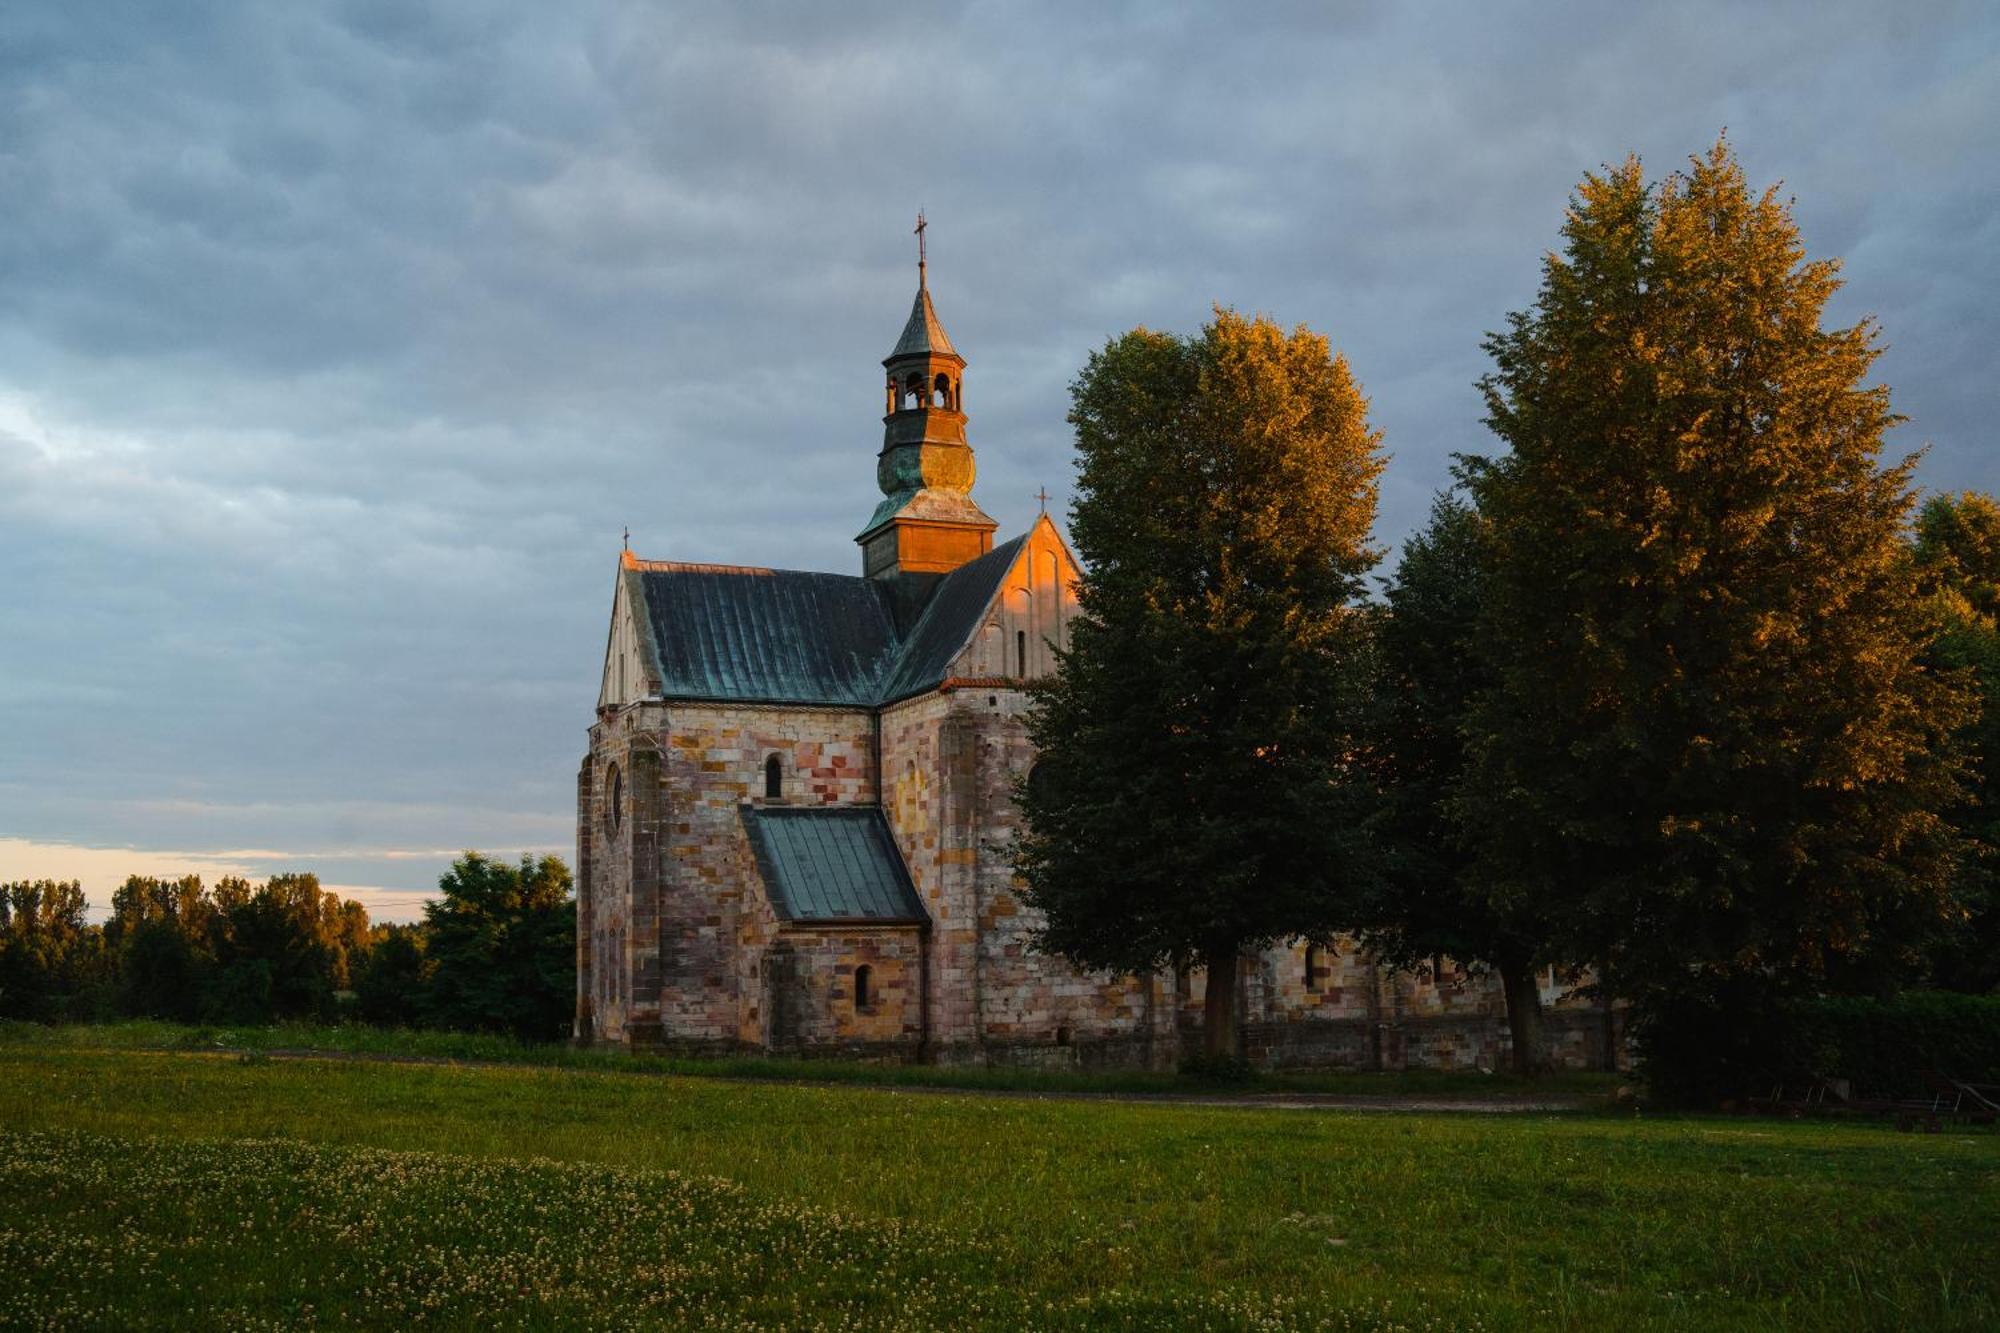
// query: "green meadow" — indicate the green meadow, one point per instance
point(144, 1187)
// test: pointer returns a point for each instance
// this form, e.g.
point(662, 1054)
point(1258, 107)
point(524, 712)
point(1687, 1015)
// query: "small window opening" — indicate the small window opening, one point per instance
point(1062, 1036)
point(864, 978)
point(1021, 653)
point(1312, 968)
point(913, 392)
point(615, 816)
point(774, 777)
point(941, 392)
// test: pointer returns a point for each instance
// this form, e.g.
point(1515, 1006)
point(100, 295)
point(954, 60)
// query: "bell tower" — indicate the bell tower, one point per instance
point(927, 523)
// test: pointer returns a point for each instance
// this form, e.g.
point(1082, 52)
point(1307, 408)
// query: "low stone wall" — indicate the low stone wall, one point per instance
point(1084, 1054)
point(811, 1001)
point(1576, 1039)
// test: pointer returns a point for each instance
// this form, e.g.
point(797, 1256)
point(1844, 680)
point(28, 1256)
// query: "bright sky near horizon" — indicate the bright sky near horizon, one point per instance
point(339, 342)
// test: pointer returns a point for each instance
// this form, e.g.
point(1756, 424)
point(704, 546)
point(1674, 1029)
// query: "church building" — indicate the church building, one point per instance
point(795, 819)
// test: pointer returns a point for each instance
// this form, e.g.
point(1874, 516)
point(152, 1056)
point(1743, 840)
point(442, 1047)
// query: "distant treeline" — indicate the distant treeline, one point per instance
point(495, 952)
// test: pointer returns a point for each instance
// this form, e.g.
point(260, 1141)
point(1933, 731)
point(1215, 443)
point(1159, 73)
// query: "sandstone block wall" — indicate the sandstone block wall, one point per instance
point(950, 760)
point(810, 991)
point(678, 943)
point(716, 914)
point(1354, 1013)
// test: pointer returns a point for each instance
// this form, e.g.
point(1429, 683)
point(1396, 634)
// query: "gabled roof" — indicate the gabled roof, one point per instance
point(750, 635)
point(767, 635)
point(923, 335)
point(831, 864)
point(951, 617)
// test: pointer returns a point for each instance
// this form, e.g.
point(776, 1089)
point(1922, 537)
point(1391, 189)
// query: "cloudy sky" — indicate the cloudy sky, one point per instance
point(339, 342)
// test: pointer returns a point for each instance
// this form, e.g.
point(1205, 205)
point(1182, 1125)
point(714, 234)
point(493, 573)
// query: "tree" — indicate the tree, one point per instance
point(52, 963)
point(159, 933)
point(276, 950)
point(389, 985)
point(1433, 901)
point(1196, 792)
point(1711, 742)
point(1958, 557)
point(501, 948)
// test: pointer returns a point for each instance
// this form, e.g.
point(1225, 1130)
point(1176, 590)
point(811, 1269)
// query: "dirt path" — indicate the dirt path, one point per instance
point(1262, 1101)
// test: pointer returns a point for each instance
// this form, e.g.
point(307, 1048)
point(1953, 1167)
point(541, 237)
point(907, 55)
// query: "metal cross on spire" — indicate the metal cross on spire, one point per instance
point(628, 536)
point(1043, 496)
point(921, 224)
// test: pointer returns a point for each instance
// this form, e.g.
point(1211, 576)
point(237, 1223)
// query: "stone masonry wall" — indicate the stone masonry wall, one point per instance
point(678, 943)
point(808, 976)
point(923, 803)
point(1355, 1014)
point(716, 916)
point(949, 762)
point(619, 819)
point(1035, 1004)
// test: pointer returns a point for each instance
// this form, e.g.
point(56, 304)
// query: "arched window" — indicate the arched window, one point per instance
point(774, 777)
point(864, 977)
point(1312, 968)
point(614, 814)
point(913, 391)
point(1021, 653)
point(941, 391)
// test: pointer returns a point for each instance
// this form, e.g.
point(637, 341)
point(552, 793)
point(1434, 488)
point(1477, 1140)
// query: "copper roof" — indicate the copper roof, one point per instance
point(831, 864)
point(923, 335)
point(752, 635)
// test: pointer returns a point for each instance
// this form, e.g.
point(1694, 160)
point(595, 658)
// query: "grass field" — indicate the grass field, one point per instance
point(144, 1187)
point(354, 1039)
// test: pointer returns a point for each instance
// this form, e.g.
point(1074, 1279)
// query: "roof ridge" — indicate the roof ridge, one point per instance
point(708, 567)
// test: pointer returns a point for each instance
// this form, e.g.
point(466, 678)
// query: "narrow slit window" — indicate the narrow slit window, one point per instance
point(864, 978)
point(774, 778)
point(1312, 967)
point(1021, 653)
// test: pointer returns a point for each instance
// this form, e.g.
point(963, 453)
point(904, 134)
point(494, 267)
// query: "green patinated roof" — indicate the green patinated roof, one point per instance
point(831, 864)
point(923, 335)
point(949, 620)
point(746, 635)
point(767, 635)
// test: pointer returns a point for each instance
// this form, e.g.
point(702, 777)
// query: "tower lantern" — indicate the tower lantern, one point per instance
point(927, 523)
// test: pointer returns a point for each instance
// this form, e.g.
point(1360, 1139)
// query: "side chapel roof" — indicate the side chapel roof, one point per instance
point(831, 864)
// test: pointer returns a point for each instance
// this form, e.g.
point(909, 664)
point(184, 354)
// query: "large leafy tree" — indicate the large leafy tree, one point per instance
point(1432, 901)
point(1711, 740)
point(500, 948)
point(1197, 792)
point(1958, 556)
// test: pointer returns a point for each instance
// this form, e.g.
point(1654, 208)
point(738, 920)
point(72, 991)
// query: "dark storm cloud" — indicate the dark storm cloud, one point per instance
point(337, 343)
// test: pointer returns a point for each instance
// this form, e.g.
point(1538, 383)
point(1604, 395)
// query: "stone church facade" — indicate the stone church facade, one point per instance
point(795, 816)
